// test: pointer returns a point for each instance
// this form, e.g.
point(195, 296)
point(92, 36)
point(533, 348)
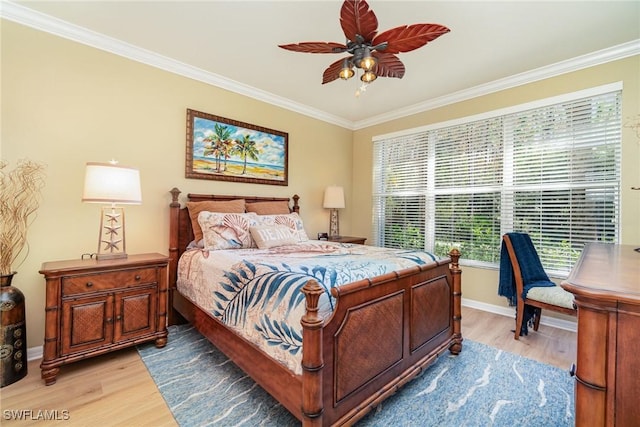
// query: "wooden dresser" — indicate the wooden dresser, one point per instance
point(606, 286)
point(97, 306)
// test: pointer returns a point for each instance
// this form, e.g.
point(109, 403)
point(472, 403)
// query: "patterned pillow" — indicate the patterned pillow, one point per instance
point(223, 206)
point(227, 230)
point(292, 220)
point(269, 236)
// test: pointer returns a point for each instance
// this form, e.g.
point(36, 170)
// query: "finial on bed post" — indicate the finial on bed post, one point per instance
point(296, 206)
point(312, 360)
point(456, 272)
point(175, 193)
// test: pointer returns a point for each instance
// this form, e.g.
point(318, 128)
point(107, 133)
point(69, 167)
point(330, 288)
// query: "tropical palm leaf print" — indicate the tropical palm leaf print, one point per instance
point(264, 296)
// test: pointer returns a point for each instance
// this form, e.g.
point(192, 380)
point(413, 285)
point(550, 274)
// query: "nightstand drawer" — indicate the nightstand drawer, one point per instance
point(107, 281)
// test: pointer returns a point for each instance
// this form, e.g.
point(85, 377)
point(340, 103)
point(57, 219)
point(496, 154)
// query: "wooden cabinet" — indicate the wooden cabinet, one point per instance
point(348, 239)
point(606, 286)
point(93, 307)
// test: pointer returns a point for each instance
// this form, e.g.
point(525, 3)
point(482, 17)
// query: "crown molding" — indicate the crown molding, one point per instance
point(28, 17)
point(589, 60)
point(46, 23)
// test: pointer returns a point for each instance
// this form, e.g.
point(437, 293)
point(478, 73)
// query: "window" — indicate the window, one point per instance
point(550, 169)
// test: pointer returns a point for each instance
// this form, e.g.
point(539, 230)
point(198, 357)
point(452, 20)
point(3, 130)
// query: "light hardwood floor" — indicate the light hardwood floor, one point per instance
point(116, 389)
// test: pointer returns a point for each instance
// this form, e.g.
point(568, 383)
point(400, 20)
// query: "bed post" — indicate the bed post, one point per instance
point(454, 268)
point(174, 223)
point(312, 360)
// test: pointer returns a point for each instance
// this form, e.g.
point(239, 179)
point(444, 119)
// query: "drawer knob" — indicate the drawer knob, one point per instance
point(89, 284)
point(137, 277)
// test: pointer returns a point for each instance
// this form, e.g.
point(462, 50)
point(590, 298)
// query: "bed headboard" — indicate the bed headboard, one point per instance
point(180, 232)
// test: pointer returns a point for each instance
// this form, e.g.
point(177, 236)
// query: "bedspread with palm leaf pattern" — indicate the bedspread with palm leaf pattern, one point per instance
point(256, 292)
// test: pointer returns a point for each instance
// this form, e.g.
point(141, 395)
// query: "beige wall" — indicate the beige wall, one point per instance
point(64, 104)
point(482, 284)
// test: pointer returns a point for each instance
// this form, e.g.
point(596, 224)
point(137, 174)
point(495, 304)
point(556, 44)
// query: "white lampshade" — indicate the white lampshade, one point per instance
point(111, 183)
point(333, 197)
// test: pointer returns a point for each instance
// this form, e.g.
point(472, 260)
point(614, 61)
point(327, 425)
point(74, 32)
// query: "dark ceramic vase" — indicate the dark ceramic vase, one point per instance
point(13, 332)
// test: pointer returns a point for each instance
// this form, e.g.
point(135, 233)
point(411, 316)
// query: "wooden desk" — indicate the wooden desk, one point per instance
point(606, 286)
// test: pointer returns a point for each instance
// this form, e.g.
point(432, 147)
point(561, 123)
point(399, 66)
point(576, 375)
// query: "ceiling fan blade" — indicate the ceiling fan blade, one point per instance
point(409, 37)
point(357, 18)
point(388, 65)
point(315, 47)
point(333, 71)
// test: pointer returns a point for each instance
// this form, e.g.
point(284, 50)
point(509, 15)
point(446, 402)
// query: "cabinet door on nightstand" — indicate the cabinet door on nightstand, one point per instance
point(135, 313)
point(86, 323)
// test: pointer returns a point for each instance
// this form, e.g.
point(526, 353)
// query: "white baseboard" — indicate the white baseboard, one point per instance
point(34, 353)
point(567, 325)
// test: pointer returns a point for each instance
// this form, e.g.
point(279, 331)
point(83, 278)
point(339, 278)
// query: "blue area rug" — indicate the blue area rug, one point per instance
point(483, 386)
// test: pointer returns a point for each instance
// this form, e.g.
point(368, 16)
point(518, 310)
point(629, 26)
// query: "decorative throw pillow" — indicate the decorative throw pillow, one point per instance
point(280, 207)
point(292, 220)
point(227, 230)
point(223, 206)
point(269, 236)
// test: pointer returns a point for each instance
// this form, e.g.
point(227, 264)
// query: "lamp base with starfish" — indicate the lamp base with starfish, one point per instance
point(111, 243)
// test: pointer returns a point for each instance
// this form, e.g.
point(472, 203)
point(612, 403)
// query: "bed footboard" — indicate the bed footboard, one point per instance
point(383, 333)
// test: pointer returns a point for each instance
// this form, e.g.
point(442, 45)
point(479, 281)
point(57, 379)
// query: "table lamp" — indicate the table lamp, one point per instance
point(334, 200)
point(111, 183)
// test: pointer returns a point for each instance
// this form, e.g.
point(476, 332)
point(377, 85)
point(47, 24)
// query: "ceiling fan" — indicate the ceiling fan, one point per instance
point(372, 52)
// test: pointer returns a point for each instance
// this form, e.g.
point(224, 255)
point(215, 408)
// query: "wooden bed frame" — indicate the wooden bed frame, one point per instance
point(384, 331)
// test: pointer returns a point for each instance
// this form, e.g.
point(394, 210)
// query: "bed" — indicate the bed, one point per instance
point(382, 331)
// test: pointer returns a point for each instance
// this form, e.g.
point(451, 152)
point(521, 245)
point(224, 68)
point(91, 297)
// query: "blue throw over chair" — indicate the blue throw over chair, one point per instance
point(525, 284)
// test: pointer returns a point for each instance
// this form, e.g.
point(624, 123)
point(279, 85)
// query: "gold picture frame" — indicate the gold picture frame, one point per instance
point(229, 150)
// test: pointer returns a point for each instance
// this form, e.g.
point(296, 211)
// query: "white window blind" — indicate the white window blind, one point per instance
point(552, 171)
point(401, 168)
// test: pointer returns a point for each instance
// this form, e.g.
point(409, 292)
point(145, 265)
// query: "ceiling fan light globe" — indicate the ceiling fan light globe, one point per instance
point(367, 63)
point(368, 77)
point(346, 73)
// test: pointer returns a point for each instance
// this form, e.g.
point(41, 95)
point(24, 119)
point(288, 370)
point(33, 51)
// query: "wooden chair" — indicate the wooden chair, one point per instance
point(550, 298)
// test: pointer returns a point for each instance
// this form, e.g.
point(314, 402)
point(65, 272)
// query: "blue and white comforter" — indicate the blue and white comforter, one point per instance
point(256, 292)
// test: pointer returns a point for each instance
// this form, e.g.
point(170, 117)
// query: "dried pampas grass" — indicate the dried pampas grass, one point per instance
point(19, 199)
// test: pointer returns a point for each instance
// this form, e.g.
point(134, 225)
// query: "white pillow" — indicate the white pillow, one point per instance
point(269, 236)
point(292, 221)
point(227, 230)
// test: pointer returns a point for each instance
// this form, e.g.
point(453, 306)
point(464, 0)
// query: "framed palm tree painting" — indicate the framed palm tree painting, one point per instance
point(228, 150)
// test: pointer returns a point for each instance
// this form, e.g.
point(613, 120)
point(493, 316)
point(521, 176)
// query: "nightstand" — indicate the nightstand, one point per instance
point(93, 307)
point(348, 239)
